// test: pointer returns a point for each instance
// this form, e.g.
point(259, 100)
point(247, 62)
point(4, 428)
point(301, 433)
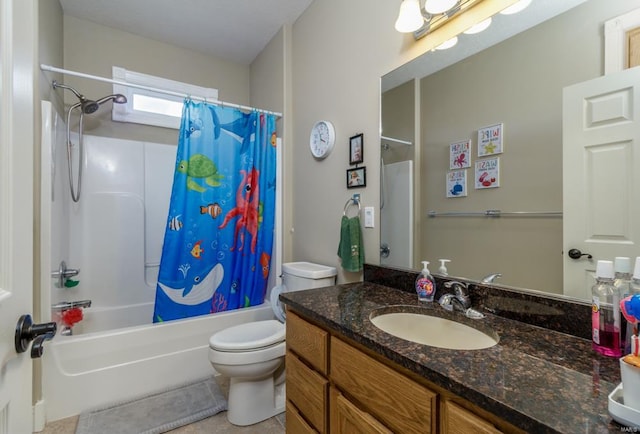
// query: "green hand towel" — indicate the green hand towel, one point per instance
point(350, 248)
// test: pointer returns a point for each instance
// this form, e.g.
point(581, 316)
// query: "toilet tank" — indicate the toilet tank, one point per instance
point(307, 275)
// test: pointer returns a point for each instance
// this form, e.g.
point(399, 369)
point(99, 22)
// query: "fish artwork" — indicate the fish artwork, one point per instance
point(197, 251)
point(213, 209)
point(175, 224)
point(264, 261)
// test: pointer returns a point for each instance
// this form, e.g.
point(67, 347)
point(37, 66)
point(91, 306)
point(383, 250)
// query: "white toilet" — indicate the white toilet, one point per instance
point(251, 355)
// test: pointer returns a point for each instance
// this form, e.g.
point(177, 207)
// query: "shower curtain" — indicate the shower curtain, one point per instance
point(219, 235)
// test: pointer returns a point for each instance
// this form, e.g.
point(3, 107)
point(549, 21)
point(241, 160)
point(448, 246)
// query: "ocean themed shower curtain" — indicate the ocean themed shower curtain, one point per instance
point(220, 227)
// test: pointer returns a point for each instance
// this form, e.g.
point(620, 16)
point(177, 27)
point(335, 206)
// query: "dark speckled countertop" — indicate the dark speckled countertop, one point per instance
point(540, 380)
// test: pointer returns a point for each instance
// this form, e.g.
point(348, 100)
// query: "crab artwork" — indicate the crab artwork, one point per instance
point(247, 207)
point(200, 167)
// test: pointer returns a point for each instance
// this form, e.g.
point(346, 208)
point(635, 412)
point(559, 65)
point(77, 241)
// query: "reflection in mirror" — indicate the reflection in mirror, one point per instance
point(517, 83)
point(397, 177)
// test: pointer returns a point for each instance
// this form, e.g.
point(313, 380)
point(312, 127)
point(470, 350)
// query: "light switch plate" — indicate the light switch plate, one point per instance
point(369, 217)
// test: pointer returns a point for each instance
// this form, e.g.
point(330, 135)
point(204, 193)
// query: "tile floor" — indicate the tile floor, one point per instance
point(216, 424)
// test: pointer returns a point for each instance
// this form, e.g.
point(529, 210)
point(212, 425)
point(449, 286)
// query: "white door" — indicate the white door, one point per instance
point(17, 35)
point(601, 193)
point(396, 228)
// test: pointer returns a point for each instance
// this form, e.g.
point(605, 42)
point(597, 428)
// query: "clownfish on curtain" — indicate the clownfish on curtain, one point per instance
point(220, 227)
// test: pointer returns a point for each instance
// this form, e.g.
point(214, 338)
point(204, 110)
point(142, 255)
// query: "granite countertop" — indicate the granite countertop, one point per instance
point(537, 379)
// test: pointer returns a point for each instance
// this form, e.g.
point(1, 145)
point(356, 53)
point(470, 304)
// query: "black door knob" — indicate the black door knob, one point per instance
point(27, 331)
point(577, 254)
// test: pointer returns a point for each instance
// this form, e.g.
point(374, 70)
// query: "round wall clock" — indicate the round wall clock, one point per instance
point(322, 139)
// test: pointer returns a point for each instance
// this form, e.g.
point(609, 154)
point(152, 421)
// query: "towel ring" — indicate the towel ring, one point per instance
point(349, 203)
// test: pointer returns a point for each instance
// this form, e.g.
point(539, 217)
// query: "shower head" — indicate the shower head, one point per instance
point(86, 105)
point(117, 98)
point(89, 106)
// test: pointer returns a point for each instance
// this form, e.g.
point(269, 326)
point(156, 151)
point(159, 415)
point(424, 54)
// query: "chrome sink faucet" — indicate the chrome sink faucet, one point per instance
point(458, 300)
point(490, 278)
point(460, 292)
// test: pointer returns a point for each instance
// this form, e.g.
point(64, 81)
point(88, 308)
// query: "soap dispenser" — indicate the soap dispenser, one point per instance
point(443, 267)
point(425, 284)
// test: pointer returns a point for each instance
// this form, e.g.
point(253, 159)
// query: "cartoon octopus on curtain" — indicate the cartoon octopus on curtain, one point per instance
point(219, 235)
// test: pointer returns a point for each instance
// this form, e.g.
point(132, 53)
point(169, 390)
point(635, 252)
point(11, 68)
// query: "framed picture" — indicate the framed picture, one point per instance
point(356, 147)
point(490, 140)
point(357, 177)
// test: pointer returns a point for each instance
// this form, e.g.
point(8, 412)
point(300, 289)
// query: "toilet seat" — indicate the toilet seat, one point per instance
point(276, 304)
point(248, 336)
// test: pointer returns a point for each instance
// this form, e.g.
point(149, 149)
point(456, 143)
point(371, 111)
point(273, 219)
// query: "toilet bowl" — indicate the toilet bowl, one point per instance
point(251, 355)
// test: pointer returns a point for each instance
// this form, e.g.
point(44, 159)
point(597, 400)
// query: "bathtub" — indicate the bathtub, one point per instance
point(94, 368)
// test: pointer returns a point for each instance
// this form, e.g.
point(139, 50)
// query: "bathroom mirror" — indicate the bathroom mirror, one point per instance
point(510, 77)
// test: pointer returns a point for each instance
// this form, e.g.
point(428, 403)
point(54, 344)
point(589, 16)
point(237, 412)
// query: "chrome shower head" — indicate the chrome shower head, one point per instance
point(117, 98)
point(86, 105)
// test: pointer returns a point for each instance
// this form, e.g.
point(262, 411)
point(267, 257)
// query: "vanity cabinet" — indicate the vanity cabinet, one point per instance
point(334, 387)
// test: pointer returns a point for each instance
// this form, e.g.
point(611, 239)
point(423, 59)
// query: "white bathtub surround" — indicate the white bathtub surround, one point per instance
point(114, 235)
point(96, 369)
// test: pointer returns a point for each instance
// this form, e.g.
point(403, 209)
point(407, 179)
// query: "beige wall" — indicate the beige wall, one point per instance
point(271, 90)
point(94, 49)
point(398, 111)
point(340, 51)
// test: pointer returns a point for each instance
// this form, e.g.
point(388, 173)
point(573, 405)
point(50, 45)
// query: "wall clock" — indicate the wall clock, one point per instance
point(322, 139)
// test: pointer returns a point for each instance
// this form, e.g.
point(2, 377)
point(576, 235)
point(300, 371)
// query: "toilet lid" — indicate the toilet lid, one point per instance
point(276, 304)
point(248, 336)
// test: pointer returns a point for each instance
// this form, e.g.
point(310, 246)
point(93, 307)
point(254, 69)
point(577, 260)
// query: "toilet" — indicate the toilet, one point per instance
point(251, 355)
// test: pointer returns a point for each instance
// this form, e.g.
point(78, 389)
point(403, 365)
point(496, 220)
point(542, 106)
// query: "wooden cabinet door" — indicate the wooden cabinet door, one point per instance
point(346, 418)
point(458, 420)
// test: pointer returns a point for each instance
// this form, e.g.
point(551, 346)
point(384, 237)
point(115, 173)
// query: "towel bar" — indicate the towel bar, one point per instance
point(355, 200)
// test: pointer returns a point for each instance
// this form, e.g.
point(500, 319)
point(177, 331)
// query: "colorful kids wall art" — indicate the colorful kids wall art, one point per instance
point(490, 140)
point(459, 155)
point(457, 183)
point(487, 173)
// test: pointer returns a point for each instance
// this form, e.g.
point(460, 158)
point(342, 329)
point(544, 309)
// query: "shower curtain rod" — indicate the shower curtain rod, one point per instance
point(404, 142)
point(155, 89)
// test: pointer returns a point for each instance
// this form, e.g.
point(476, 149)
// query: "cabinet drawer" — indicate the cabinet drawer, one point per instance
point(459, 420)
point(308, 341)
point(308, 391)
point(397, 401)
point(347, 418)
point(295, 423)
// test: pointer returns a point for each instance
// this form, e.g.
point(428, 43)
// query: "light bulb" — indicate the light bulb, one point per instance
point(477, 28)
point(439, 6)
point(410, 18)
point(448, 44)
point(516, 7)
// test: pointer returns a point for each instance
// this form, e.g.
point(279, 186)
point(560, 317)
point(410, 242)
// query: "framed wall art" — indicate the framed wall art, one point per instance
point(356, 148)
point(357, 177)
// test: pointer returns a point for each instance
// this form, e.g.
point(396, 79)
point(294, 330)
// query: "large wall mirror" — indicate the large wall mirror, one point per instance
point(512, 77)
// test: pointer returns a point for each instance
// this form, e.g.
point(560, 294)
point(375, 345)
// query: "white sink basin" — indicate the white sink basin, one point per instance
point(433, 331)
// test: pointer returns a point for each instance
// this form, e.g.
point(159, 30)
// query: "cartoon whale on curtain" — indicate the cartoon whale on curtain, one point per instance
point(219, 235)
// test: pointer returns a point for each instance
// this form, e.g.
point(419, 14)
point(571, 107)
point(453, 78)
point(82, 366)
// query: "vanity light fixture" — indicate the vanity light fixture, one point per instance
point(410, 17)
point(516, 7)
point(477, 28)
point(448, 44)
point(457, 16)
point(435, 7)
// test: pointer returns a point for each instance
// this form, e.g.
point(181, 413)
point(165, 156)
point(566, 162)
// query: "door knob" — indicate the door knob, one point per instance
point(577, 254)
point(27, 331)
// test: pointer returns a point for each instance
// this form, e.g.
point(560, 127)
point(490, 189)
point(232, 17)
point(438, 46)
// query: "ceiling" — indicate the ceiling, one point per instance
point(234, 30)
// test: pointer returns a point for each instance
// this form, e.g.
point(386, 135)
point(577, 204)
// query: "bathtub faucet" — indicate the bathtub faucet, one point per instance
point(69, 313)
point(66, 305)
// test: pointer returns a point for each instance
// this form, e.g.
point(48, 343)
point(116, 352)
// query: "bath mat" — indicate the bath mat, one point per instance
point(158, 412)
